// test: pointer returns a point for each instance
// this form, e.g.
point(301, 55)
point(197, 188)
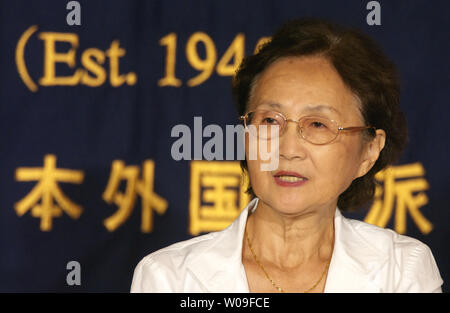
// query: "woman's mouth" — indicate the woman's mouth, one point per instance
point(289, 179)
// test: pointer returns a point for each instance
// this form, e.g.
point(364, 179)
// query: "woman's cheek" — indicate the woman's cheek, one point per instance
point(257, 178)
point(335, 170)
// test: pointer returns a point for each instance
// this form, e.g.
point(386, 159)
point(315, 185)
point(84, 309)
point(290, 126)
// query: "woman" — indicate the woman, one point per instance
point(334, 99)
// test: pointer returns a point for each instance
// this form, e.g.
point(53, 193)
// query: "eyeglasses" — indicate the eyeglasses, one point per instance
point(314, 129)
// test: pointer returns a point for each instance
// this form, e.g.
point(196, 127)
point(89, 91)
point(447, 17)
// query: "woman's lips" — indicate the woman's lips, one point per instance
point(289, 179)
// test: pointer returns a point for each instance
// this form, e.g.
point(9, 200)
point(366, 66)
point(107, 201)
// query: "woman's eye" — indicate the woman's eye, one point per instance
point(269, 120)
point(318, 125)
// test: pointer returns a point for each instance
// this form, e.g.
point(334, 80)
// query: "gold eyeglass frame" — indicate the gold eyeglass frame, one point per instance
point(299, 128)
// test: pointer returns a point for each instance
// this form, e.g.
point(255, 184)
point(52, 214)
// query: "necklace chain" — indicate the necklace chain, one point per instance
point(270, 279)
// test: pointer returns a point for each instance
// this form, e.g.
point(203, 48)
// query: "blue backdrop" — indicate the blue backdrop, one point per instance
point(86, 113)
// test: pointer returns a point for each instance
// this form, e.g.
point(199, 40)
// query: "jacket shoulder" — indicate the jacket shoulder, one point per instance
point(411, 261)
point(181, 251)
point(383, 239)
point(161, 270)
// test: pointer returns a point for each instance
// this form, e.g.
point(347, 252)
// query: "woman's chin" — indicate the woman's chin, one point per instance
point(289, 204)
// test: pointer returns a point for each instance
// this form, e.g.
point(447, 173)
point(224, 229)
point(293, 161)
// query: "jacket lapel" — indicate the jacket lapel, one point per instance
point(224, 271)
point(353, 266)
point(355, 262)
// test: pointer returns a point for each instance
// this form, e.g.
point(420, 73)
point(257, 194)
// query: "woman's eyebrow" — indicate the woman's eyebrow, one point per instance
point(274, 105)
point(321, 108)
point(308, 108)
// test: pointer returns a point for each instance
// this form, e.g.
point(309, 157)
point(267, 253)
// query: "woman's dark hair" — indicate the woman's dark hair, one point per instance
point(363, 67)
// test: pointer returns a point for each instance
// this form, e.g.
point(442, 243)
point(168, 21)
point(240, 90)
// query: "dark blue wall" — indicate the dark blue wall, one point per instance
point(130, 118)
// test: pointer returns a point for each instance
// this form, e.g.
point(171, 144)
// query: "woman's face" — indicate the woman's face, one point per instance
point(298, 87)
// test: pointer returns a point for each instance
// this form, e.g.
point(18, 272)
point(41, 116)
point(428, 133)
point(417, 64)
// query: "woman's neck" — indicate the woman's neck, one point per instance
point(288, 241)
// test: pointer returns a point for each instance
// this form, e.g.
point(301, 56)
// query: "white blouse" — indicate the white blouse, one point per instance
point(366, 258)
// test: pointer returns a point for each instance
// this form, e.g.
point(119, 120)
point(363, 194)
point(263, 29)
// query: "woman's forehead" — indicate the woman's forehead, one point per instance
point(313, 76)
point(304, 84)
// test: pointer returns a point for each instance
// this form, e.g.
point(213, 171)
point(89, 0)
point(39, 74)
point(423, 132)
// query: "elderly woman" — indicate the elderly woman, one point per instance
point(334, 98)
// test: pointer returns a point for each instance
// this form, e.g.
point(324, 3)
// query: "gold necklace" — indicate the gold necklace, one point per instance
point(270, 279)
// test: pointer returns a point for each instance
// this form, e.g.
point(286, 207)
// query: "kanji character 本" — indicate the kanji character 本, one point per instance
point(134, 186)
point(46, 189)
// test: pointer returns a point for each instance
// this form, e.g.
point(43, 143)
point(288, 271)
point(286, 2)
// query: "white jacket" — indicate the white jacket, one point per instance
point(365, 258)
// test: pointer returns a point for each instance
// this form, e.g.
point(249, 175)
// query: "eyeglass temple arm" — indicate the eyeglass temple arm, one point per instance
point(356, 128)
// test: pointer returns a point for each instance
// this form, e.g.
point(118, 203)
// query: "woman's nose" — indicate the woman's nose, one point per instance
point(292, 145)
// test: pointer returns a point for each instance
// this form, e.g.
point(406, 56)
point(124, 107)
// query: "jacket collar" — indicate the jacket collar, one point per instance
point(218, 266)
point(354, 262)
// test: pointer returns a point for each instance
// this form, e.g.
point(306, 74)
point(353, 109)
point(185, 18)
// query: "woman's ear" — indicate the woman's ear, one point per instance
point(371, 152)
